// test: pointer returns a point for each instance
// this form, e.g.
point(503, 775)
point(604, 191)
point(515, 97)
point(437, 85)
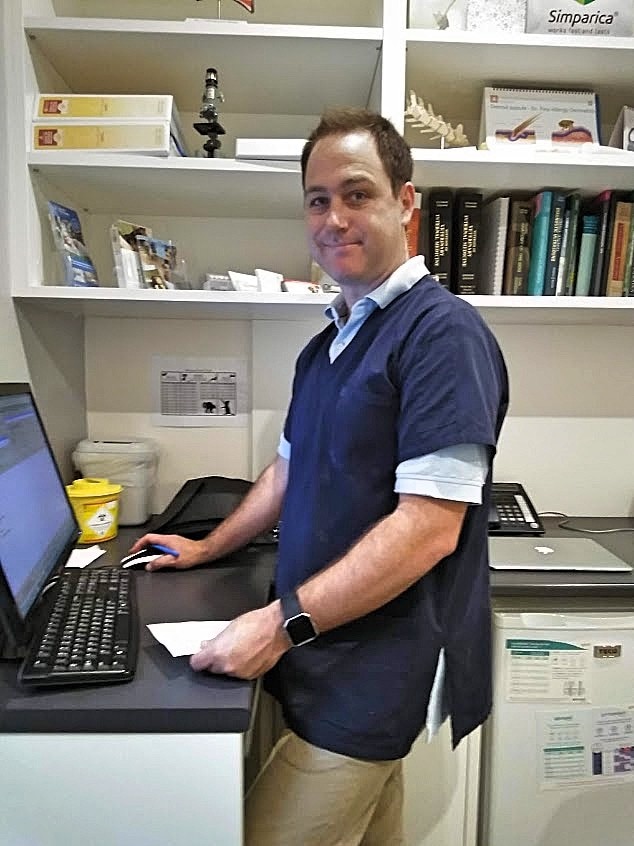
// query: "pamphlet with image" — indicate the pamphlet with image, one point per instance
point(78, 269)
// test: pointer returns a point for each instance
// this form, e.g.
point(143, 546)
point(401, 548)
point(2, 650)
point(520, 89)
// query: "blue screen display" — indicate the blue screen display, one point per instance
point(36, 520)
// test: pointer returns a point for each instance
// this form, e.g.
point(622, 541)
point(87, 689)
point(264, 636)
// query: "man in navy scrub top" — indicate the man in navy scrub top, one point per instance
point(381, 484)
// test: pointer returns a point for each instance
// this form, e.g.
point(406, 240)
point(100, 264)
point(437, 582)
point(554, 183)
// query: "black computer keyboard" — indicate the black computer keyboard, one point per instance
point(90, 634)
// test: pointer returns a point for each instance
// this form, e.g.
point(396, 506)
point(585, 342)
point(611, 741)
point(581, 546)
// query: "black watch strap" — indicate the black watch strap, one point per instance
point(297, 623)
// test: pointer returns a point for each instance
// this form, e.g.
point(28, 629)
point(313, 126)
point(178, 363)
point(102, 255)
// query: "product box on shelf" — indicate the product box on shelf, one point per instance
point(545, 119)
point(150, 138)
point(134, 123)
point(623, 132)
point(579, 17)
point(127, 106)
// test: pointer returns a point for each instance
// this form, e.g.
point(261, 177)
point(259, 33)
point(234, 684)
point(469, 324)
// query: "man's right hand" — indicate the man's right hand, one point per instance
point(190, 552)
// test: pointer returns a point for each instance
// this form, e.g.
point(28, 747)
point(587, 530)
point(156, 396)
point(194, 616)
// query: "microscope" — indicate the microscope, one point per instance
point(209, 113)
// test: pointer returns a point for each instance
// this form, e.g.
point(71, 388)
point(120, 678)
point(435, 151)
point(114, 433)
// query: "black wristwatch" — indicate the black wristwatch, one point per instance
point(297, 623)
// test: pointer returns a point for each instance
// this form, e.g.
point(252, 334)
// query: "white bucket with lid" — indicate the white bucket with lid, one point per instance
point(131, 464)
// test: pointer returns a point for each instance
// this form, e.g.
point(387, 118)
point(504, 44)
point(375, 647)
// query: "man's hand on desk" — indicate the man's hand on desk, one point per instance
point(190, 552)
point(249, 646)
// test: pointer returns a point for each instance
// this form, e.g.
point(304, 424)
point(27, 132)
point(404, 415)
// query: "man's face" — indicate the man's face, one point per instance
point(354, 221)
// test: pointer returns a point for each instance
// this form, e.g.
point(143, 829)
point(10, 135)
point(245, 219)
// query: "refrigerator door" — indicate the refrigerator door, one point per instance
point(558, 749)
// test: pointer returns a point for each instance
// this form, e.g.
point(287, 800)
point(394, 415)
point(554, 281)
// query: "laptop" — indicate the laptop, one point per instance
point(549, 554)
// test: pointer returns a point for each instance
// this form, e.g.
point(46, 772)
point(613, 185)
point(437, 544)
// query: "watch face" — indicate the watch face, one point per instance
point(300, 629)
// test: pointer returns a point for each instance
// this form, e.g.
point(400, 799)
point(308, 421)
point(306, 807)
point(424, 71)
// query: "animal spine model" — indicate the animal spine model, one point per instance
point(422, 117)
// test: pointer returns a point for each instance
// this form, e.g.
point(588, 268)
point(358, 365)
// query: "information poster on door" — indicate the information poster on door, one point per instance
point(585, 746)
point(539, 670)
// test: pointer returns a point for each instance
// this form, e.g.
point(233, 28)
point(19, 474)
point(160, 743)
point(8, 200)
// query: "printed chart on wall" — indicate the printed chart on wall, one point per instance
point(586, 746)
point(199, 392)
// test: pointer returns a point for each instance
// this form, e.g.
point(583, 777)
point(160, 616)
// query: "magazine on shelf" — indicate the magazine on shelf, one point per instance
point(538, 118)
point(78, 269)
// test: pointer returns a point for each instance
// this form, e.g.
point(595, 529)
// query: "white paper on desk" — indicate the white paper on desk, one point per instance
point(83, 557)
point(185, 638)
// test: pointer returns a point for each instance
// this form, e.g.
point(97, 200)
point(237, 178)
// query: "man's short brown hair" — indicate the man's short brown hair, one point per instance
point(392, 148)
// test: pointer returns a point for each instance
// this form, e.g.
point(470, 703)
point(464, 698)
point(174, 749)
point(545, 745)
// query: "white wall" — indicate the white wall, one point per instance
point(570, 428)
point(119, 394)
point(568, 436)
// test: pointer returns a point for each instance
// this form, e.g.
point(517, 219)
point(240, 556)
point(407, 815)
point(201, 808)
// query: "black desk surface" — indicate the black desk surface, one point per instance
point(166, 696)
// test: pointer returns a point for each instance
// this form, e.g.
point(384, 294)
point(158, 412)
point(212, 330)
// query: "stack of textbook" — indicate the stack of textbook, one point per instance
point(123, 123)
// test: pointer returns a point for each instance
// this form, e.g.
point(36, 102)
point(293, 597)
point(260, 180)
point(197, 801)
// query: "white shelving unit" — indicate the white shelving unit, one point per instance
point(87, 47)
point(87, 351)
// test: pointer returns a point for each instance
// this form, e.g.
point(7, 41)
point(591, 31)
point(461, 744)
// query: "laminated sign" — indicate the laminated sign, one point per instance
point(580, 17)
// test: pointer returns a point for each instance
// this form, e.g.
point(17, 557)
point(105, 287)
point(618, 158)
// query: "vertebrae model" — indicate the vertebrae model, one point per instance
point(423, 118)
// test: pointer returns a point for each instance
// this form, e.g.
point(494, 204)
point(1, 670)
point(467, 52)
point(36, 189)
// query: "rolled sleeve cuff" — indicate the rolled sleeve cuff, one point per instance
point(440, 489)
point(456, 473)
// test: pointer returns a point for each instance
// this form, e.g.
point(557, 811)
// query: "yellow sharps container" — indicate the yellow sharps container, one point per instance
point(96, 506)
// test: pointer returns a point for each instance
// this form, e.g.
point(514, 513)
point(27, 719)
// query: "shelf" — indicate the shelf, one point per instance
point(192, 187)
point(450, 69)
point(206, 305)
point(494, 171)
point(263, 68)
point(189, 187)
point(598, 311)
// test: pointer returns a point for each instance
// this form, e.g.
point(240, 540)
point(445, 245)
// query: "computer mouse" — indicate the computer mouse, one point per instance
point(138, 560)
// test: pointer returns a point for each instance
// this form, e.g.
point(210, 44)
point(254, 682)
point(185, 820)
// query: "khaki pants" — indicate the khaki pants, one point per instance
point(306, 796)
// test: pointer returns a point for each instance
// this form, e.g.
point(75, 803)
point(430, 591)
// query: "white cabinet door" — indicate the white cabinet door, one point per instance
point(441, 791)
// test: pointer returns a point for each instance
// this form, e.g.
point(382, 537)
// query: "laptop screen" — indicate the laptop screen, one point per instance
point(37, 524)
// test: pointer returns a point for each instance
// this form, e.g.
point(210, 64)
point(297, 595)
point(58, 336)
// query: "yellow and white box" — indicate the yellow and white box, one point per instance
point(155, 126)
point(152, 138)
point(580, 17)
point(128, 106)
